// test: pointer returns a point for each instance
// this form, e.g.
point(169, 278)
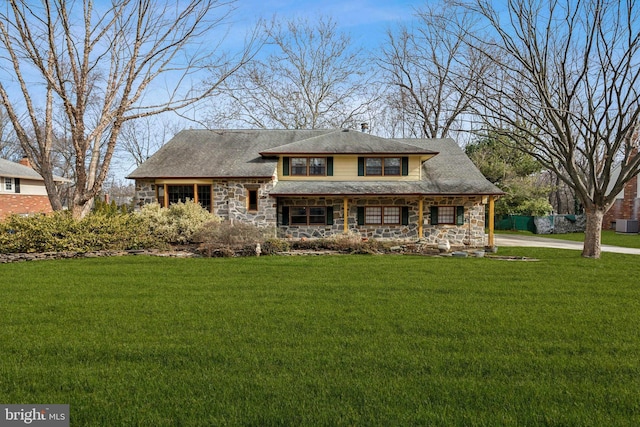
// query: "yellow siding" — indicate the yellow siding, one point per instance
point(345, 168)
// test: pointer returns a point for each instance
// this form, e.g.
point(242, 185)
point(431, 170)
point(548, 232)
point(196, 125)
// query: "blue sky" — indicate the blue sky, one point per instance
point(366, 21)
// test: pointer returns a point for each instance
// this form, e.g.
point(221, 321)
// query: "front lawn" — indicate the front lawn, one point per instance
point(609, 237)
point(329, 340)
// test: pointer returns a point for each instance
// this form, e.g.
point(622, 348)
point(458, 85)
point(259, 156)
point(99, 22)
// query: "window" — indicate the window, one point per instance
point(383, 166)
point(204, 196)
point(307, 215)
point(378, 215)
point(392, 166)
point(252, 199)
point(382, 215)
point(317, 166)
point(180, 193)
point(8, 184)
point(308, 166)
point(299, 166)
point(373, 166)
point(446, 215)
point(453, 215)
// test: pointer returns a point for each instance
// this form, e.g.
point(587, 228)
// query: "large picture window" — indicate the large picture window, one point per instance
point(382, 215)
point(307, 215)
point(180, 193)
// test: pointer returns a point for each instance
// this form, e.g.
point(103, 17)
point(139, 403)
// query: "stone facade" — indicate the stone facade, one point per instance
point(145, 192)
point(471, 233)
point(230, 202)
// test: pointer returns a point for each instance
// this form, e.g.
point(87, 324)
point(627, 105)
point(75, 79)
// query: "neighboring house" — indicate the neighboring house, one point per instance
point(626, 206)
point(22, 189)
point(315, 183)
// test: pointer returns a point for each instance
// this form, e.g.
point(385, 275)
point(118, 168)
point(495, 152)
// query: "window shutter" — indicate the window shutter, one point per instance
point(405, 166)
point(434, 215)
point(459, 215)
point(329, 166)
point(405, 215)
point(360, 215)
point(329, 215)
point(285, 215)
point(360, 166)
point(285, 166)
point(16, 183)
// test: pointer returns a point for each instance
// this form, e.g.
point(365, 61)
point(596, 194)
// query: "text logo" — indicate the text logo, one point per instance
point(34, 415)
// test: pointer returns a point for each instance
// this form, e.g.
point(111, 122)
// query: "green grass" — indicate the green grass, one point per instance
point(324, 341)
point(609, 237)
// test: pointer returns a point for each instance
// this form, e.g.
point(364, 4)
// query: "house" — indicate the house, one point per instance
point(626, 206)
point(315, 183)
point(22, 189)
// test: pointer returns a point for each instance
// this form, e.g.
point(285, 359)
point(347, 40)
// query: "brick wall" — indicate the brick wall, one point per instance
point(625, 208)
point(23, 204)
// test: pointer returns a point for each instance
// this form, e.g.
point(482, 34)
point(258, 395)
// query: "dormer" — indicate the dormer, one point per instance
point(346, 155)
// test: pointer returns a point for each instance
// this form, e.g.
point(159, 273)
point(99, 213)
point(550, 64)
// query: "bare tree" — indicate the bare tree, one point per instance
point(569, 80)
point(9, 145)
point(101, 65)
point(436, 74)
point(141, 138)
point(313, 78)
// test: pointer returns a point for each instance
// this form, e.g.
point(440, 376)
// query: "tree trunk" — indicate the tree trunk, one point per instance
point(593, 233)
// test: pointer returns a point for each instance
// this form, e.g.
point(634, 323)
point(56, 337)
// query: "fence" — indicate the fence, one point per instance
point(553, 224)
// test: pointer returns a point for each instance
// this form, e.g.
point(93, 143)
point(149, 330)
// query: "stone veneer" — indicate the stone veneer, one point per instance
point(470, 234)
point(230, 203)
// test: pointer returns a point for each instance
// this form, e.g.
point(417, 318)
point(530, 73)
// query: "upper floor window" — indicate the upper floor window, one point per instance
point(383, 166)
point(308, 166)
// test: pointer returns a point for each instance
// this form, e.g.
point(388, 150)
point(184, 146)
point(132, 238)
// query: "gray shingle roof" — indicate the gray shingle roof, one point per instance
point(16, 170)
point(219, 154)
point(236, 153)
point(346, 141)
point(450, 172)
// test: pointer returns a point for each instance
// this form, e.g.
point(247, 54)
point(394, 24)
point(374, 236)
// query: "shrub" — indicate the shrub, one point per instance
point(273, 246)
point(59, 232)
point(178, 223)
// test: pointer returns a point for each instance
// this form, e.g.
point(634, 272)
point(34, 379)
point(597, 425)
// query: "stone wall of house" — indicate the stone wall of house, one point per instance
point(145, 192)
point(471, 233)
point(230, 202)
point(313, 231)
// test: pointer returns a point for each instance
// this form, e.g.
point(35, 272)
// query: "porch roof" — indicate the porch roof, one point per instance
point(380, 188)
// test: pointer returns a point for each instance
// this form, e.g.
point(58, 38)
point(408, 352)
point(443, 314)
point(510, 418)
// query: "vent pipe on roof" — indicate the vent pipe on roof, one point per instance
point(364, 127)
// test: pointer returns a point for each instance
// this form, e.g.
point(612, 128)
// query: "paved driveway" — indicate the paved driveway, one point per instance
point(542, 242)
